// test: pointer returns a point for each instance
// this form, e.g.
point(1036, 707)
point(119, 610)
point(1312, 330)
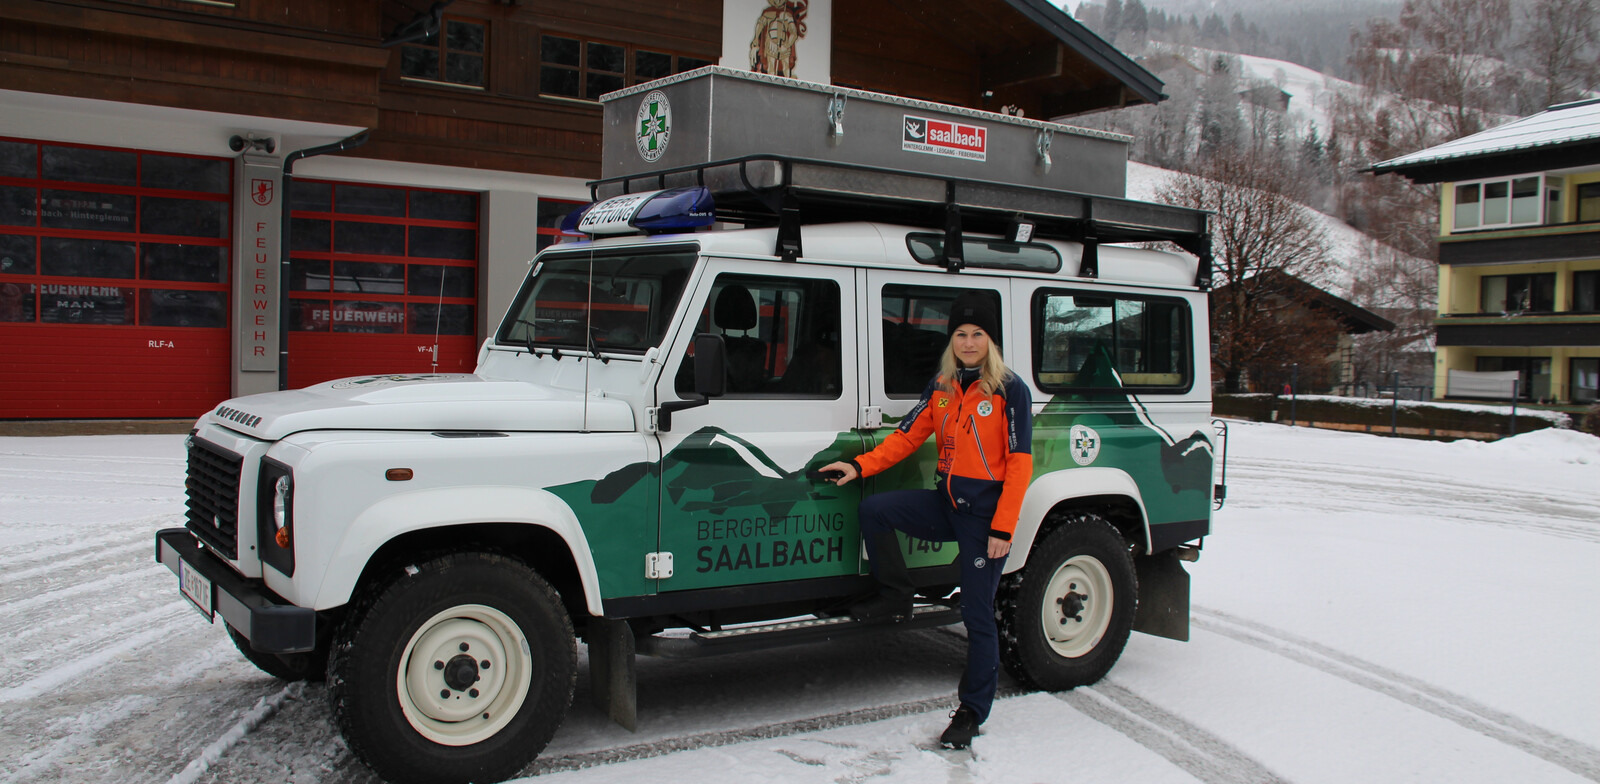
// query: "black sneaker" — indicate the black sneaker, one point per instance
point(963, 727)
point(880, 608)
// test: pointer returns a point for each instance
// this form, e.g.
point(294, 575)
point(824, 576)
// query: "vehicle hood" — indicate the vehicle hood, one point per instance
point(421, 401)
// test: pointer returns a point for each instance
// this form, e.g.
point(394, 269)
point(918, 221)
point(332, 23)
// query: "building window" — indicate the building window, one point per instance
point(1498, 203)
point(98, 236)
point(1586, 291)
point(551, 212)
point(574, 68)
point(1585, 378)
point(1533, 374)
point(456, 57)
point(382, 260)
point(1519, 293)
point(1588, 195)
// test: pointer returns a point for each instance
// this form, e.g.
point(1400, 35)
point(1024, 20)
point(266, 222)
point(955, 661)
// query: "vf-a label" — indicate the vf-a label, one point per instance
point(943, 137)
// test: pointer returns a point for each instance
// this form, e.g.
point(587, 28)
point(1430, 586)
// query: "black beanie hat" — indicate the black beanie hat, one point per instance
point(975, 307)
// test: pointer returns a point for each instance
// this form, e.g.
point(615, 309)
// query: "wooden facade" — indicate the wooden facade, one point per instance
point(326, 62)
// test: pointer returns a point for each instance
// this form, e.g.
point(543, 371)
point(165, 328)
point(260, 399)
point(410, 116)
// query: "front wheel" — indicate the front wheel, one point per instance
point(457, 670)
point(1065, 617)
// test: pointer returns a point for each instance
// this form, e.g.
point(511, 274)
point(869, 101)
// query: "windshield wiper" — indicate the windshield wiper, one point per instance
point(595, 352)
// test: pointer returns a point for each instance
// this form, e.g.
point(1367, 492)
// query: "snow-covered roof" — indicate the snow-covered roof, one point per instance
point(1561, 124)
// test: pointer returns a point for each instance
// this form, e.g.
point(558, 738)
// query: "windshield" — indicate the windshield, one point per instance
point(615, 302)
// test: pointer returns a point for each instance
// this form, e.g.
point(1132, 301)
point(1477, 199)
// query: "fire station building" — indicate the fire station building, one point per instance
point(201, 199)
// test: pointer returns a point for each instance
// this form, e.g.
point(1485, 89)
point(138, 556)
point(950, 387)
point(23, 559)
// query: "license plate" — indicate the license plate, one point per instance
point(196, 588)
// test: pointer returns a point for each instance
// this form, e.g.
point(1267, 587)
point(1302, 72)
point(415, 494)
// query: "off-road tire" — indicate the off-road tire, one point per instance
point(405, 693)
point(1083, 564)
point(309, 666)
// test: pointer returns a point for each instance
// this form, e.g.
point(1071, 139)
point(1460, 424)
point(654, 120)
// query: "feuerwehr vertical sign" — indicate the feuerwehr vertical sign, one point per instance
point(256, 287)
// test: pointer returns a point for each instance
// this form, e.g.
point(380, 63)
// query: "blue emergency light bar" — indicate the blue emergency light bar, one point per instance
point(652, 212)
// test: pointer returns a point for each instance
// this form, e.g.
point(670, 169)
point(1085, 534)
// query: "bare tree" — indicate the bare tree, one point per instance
point(1444, 55)
point(1263, 241)
point(1404, 289)
point(1562, 44)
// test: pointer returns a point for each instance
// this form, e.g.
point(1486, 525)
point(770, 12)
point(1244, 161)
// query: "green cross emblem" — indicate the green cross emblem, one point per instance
point(1084, 443)
point(655, 126)
point(651, 127)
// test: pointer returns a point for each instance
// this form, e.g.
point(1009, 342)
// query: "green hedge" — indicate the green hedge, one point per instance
point(1413, 419)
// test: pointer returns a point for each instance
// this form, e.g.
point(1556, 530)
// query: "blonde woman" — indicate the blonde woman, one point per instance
point(982, 414)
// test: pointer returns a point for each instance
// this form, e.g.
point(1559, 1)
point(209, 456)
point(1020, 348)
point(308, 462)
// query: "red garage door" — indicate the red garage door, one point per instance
point(382, 280)
point(113, 281)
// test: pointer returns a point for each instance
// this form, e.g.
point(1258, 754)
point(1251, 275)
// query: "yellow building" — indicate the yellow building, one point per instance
point(1519, 255)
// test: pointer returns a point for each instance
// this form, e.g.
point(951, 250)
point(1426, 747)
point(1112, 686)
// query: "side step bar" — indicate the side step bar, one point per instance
point(776, 635)
point(613, 678)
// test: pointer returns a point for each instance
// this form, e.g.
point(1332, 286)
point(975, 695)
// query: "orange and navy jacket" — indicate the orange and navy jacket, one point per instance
point(985, 448)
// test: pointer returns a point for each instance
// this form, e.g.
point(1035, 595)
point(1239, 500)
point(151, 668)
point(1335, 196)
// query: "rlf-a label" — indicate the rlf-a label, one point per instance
point(943, 137)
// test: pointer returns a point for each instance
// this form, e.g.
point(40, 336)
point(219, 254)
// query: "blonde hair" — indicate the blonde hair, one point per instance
point(992, 374)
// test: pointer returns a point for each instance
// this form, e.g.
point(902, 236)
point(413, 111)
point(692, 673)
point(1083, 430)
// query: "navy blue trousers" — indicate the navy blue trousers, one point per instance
point(927, 514)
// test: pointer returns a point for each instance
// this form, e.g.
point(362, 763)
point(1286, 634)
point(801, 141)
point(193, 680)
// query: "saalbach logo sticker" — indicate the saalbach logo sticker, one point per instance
point(944, 137)
point(655, 125)
point(1085, 444)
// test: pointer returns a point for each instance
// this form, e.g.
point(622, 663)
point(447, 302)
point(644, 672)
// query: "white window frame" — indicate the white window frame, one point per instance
point(1541, 193)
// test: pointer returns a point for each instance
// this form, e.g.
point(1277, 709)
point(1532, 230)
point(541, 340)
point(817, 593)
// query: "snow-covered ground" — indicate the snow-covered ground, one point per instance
point(1367, 609)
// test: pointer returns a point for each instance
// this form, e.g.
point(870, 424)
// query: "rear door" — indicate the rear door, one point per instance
point(907, 331)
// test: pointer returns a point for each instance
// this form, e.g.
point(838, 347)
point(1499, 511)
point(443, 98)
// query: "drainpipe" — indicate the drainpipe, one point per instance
point(283, 243)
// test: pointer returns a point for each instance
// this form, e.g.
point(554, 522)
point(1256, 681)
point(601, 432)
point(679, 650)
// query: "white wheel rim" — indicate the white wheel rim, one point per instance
point(446, 691)
point(1081, 584)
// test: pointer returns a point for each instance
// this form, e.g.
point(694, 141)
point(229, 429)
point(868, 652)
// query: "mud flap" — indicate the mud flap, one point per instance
point(1163, 596)
point(613, 680)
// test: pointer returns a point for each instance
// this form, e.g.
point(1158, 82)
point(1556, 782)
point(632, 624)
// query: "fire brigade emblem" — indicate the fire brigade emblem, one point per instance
point(261, 192)
point(655, 126)
point(1085, 444)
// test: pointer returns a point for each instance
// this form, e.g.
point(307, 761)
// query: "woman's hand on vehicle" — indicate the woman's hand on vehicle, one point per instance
point(998, 548)
point(847, 469)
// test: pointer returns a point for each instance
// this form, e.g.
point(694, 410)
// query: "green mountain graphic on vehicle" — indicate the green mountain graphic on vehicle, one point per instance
point(716, 490)
point(1174, 474)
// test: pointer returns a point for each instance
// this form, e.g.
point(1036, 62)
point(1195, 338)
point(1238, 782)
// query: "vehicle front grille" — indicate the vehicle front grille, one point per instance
point(213, 486)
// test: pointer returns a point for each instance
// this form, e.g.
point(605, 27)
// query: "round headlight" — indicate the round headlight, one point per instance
point(280, 502)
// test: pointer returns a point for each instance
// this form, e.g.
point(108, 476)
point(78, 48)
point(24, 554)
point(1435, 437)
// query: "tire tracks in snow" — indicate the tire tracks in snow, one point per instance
point(1566, 516)
point(1524, 736)
point(265, 708)
point(703, 740)
point(1199, 753)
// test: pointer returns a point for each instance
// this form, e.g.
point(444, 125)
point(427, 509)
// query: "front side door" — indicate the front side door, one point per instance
point(736, 507)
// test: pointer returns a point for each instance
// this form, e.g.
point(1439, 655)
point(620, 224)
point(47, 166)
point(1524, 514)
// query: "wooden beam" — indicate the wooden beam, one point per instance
point(1030, 64)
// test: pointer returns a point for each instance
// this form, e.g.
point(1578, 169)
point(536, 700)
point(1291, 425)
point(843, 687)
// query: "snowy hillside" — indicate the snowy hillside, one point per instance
point(1350, 249)
point(1310, 92)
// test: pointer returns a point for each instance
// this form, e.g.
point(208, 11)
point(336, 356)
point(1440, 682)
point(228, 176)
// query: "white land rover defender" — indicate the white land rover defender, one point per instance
point(631, 455)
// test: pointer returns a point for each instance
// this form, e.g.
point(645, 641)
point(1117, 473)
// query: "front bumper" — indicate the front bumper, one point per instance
point(271, 625)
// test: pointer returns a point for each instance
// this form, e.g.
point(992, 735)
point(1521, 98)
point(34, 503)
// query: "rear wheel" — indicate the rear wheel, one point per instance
point(1066, 616)
point(459, 669)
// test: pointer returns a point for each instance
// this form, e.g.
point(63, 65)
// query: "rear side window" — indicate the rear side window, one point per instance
point(1096, 340)
point(916, 329)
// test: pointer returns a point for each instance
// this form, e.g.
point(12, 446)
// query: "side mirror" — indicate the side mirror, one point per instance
point(710, 378)
point(710, 365)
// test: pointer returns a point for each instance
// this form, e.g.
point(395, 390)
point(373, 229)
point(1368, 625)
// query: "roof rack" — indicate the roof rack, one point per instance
point(788, 192)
